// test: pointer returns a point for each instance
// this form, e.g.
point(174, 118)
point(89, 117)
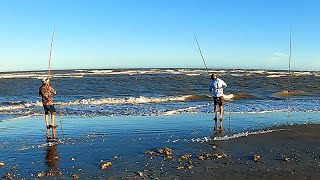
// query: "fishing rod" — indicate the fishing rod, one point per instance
point(50, 54)
point(49, 75)
point(289, 70)
point(204, 62)
point(60, 118)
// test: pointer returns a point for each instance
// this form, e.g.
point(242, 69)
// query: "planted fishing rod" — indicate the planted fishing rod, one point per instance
point(289, 71)
point(201, 54)
point(60, 118)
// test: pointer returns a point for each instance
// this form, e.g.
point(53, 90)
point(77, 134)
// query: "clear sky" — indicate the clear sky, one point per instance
point(159, 34)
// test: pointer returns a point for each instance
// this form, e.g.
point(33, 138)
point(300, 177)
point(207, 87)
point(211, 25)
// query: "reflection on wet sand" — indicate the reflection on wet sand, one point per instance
point(51, 158)
point(51, 161)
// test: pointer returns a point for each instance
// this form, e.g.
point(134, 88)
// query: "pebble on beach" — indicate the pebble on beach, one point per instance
point(167, 151)
point(185, 157)
point(75, 176)
point(256, 157)
point(286, 158)
point(8, 176)
point(105, 165)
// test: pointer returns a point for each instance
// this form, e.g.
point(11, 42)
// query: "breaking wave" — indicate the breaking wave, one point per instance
point(243, 96)
point(134, 100)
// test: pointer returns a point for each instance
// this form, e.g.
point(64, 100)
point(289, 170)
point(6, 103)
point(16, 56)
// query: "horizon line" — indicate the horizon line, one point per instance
point(73, 69)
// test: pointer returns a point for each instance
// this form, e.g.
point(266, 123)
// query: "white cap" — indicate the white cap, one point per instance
point(45, 80)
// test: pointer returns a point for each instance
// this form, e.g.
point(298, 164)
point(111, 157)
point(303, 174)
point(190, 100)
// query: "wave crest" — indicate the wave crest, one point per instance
point(243, 96)
point(285, 93)
point(133, 100)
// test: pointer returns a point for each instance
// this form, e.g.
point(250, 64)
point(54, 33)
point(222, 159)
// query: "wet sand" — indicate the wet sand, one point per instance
point(292, 153)
point(132, 145)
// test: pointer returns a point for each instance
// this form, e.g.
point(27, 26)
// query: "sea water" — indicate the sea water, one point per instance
point(154, 92)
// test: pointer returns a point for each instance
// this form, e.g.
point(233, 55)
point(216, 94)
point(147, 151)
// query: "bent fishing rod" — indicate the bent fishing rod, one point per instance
point(50, 53)
point(204, 62)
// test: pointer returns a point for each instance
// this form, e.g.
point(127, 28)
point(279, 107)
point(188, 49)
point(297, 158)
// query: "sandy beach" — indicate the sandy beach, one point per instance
point(291, 153)
point(135, 148)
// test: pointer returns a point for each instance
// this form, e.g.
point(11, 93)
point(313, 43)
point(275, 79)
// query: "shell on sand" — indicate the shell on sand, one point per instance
point(256, 157)
point(185, 156)
point(105, 165)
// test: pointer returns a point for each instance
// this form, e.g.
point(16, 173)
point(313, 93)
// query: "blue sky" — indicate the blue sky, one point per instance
point(159, 34)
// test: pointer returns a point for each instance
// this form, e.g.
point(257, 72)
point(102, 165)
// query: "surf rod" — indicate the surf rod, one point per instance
point(50, 53)
point(229, 117)
point(204, 62)
point(289, 71)
point(60, 118)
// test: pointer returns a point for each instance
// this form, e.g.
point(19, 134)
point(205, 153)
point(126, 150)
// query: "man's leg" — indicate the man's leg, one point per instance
point(215, 118)
point(53, 119)
point(221, 116)
point(46, 118)
point(53, 115)
point(215, 112)
point(221, 112)
point(54, 132)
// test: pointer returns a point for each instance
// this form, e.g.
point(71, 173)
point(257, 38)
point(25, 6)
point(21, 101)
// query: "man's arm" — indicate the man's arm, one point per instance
point(53, 91)
point(224, 85)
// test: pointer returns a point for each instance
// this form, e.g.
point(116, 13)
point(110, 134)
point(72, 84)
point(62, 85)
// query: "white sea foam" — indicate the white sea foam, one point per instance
point(18, 118)
point(302, 73)
point(237, 75)
point(257, 71)
point(12, 107)
point(194, 74)
point(276, 75)
point(191, 109)
point(245, 134)
point(21, 75)
point(260, 112)
point(40, 75)
point(238, 71)
point(128, 100)
point(234, 136)
point(277, 72)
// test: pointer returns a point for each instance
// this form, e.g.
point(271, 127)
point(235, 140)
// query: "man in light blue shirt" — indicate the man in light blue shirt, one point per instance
point(216, 87)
